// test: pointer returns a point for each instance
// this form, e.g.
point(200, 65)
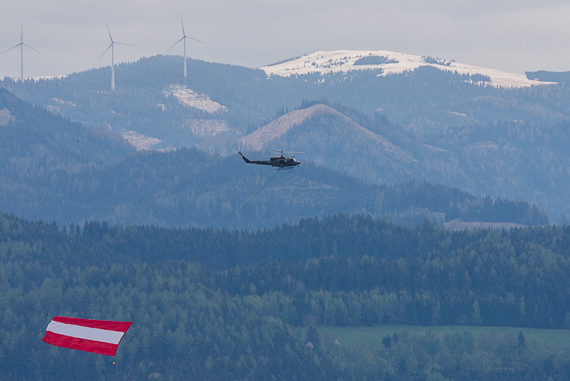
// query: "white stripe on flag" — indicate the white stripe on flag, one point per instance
point(80, 332)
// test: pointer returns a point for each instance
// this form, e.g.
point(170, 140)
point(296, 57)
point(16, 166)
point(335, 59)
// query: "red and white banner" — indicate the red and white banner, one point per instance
point(97, 336)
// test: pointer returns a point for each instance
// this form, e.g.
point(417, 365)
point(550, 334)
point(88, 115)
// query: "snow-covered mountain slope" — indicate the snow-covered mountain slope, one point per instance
point(344, 61)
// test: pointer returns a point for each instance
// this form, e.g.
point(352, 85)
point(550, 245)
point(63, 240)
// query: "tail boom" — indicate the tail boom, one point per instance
point(244, 158)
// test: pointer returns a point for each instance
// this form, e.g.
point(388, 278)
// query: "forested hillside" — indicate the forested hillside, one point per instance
point(189, 188)
point(208, 304)
point(514, 135)
point(57, 170)
point(510, 160)
point(33, 138)
point(142, 103)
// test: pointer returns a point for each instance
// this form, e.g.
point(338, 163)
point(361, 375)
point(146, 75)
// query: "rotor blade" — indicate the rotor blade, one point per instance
point(182, 21)
point(122, 43)
point(280, 150)
point(15, 46)
point(192, 38)
point(176, 43)
point(110, 37)
point(109, 47)
point(31, 48)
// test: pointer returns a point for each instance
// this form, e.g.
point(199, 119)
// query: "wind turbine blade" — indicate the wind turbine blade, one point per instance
point(31, 48)
point(182, 21)
point(15, 46)
point(192, 38)
point(176, 43)
point(122, 43)
point(106, 50)
point(110, 37)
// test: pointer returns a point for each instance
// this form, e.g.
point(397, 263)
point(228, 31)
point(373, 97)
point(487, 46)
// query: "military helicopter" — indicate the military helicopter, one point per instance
point(281, 161)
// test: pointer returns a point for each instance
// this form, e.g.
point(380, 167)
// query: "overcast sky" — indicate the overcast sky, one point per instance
point(511, 35)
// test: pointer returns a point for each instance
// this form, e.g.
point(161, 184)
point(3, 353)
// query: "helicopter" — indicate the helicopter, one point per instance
point(281, 161)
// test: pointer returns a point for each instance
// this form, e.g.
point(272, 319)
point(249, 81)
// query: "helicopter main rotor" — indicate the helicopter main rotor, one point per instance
point(283, 151)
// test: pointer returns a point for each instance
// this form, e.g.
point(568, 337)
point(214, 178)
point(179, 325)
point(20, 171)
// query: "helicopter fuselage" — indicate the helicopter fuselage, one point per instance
point(275, 161)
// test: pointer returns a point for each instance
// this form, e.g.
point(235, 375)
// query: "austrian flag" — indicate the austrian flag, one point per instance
point(97, 336)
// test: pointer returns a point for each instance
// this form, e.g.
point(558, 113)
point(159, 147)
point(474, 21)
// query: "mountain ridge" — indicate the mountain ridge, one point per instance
point(261, 138)
point(412, 110)
point(427, 99)
point(345, 61)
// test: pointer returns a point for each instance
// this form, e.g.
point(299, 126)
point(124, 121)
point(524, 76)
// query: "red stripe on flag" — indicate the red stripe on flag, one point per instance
point(80, 344)
point(119, 326)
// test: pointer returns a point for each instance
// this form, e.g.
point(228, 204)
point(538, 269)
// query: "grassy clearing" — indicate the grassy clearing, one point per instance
point(374, 335)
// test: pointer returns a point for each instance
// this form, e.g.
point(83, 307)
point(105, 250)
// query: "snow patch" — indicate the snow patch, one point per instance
point(205, 128)
point(344, 61)
point(140, 141)
point(458, 225)
point(189, 98)
point(67, 103)
point(483, 146)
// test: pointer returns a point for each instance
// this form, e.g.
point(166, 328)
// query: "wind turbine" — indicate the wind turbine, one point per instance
point(21, 45)
point(184, 38)
point(112, 47)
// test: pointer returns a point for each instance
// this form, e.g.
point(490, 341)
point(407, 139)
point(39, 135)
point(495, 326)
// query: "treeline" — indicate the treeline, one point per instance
point(549, 76)
point(340, 235)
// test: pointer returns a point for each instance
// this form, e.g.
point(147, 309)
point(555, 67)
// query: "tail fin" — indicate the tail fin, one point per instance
point(244, 158)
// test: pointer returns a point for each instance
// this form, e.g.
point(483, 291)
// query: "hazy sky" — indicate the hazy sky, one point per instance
point(512, 35)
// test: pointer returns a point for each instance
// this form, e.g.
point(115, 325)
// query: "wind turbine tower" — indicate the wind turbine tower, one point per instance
point(184, 38)
point(21, 45)
point(112, 47)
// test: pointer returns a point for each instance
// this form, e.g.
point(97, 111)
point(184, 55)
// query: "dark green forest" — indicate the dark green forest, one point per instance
point(213, 304)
